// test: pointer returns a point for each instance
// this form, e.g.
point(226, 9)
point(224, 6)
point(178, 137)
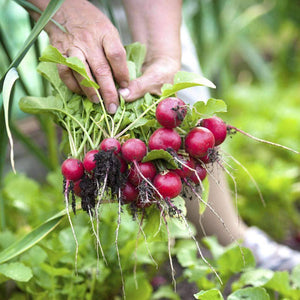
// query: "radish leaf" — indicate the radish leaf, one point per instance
point(51, 54)
point(183, 80)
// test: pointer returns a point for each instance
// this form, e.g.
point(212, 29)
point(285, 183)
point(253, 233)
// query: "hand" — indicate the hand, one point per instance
point(95, 41)
point(156, 72)
point(160, 32)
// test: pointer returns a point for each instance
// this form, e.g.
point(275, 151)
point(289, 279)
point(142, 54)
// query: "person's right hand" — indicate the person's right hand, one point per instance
point(96, 42)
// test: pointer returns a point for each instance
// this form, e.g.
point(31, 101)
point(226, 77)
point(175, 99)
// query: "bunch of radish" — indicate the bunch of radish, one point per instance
point(118, 171)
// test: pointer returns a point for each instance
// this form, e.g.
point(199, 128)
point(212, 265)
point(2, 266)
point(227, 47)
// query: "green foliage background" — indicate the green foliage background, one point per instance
point(250, 50)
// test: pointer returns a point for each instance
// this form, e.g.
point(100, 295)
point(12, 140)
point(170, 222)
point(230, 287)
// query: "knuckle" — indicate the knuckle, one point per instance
point(72, 85)
point(116, 54)
point(102, 70)
point(109, 95)
point(64, 74)
point(85, 36)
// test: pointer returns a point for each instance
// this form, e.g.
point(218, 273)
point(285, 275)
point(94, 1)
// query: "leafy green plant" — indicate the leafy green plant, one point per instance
point(39, 264)
point(251, 283)
point(279, 182)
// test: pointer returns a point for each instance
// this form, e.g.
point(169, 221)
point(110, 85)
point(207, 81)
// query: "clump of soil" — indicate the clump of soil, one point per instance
point(107, 171)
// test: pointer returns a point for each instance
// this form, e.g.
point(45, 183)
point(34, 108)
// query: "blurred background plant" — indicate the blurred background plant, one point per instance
point(250, 50)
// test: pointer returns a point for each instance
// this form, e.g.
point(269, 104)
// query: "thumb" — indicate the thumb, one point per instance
point(137, 88)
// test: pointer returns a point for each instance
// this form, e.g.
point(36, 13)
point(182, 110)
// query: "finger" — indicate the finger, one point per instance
point(103, 74)
point(116, 55)
point(68, 78)
point(88, 91)
point(149, 82)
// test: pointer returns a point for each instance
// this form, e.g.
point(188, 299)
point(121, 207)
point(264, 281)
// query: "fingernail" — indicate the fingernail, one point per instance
point(124, 92)
point(95, 99)
point(112, 108)
point(124, 84)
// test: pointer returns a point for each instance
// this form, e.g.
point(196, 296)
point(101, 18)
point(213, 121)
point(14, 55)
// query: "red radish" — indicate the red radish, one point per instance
point(217, 126)
point(185, 171)
point(147, 169)
point(89, 162)
point(205, 159)
point(141, 204)
point(170, 112)
point(211, 156)
point(77, 188)
point(110, 144)
point(72, 169)
point(164, 138)
point(201, 172)
point(124, 165)
point(168, 184)
point(198, 141)
point(129, 193)
point(157, 281)
point(134, 150)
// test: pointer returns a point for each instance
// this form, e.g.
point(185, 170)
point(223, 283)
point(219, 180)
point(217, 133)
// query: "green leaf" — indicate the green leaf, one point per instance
point(52, 105)
point(211, 107)
point(161, 154)
point(198, 274)
point(256, 278)
point(10, 78)
point(179, 202)
point(183, 80)
point(154, 226)
point(136, 52)
point(235, 259)
point(212, 294)
point(35, 256)
point(21, 191)
point(178, 229)
point(141, 122)
point(15, 271)
point(143, 289)
point(213, 245)
point(250, 293)
point(186, 253)
point(165, 292)
point(295, 277)
point(201, 109)
point(131, 70)
point(280, 282)
point(54, 271)
point(50, 73)
point(37, 105)
point(31, 238)
point(51, 54)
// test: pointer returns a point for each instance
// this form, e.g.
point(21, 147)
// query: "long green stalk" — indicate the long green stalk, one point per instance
point(51, 9)
point(3, 44)
point(137, 119)
point(32, 7)
point(3, 143)
point(46, 122)
point(32, 146)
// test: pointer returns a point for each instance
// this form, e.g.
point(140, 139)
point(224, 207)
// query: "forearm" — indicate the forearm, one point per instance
point(156, 24)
